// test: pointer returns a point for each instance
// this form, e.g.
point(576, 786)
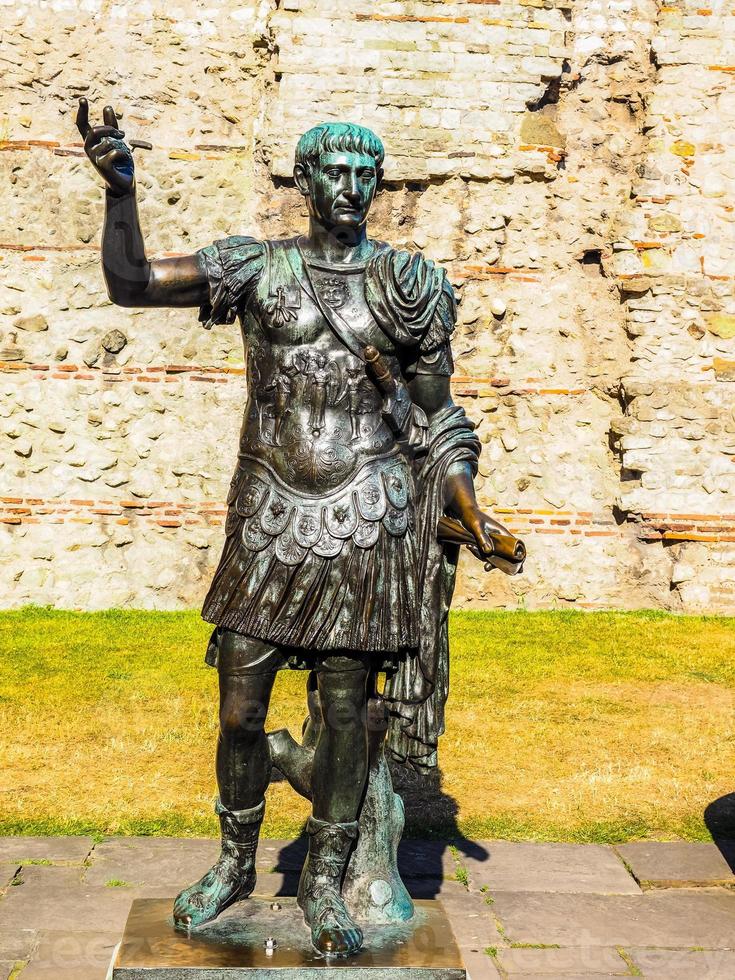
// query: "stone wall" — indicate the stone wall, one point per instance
point(569, 161)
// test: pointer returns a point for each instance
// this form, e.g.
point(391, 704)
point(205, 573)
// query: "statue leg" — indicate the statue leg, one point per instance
point(338, 780)
point(372, 887)
point(243, 773)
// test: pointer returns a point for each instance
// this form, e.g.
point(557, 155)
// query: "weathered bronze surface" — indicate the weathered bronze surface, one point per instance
point(351, 496)
point(235, 946)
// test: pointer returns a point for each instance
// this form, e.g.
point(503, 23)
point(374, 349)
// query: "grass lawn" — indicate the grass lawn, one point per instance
point(560, 726)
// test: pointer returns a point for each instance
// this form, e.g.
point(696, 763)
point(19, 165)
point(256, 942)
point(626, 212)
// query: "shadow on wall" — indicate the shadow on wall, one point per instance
point(719, 818)
point(432, 848)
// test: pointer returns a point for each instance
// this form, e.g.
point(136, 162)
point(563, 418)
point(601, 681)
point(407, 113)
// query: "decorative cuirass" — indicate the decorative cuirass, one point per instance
point(317, 462)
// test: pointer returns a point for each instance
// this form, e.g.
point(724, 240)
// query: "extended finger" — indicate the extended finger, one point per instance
point(83, 118)
point(484, 541)
point(109, 117)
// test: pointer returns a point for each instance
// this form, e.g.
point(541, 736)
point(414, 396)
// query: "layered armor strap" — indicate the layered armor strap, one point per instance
point(265, 509)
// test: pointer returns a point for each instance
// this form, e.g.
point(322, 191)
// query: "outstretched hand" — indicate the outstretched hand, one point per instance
point(111, 157)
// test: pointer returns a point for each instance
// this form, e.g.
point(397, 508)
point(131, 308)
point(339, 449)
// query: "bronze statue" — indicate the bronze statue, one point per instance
point(351, 451)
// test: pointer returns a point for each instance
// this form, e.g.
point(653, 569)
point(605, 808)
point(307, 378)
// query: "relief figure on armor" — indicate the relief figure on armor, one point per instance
point(321, 374)
point(352, 458)
point(281, 384)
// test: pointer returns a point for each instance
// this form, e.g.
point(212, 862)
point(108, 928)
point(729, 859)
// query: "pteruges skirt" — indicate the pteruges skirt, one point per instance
point(364, 599)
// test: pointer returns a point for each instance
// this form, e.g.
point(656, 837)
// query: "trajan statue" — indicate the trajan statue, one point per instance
point(351, 456)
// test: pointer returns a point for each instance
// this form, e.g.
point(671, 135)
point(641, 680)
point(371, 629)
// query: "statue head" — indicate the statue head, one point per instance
point(338, 169)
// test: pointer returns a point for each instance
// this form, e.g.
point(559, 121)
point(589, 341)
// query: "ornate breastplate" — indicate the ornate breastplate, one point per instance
point(263, 508)
point(313, 416)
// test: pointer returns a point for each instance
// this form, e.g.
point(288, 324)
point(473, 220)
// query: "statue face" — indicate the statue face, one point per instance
point(340, 190)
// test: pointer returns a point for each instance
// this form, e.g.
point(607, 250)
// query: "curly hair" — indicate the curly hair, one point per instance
point(335, 137)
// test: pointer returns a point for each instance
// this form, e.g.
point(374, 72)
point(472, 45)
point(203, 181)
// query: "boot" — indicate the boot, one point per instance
point(333, 930)
point(233, 875)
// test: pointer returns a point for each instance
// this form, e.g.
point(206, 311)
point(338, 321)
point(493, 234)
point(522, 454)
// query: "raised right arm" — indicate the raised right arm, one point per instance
point(131, 278)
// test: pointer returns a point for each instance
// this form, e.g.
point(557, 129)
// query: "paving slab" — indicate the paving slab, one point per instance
point(71, 850)
point(55, 898)
point(685, 964)
point(416, 859)
point(577, 868)
point(17, 944)
point(276, 884)
point(474, 928)
point(281, 855)
point(167, 864)
point(480, 966)
point(6, 968)
point(77, 954)
point(42, 971)
point(589, 960)
point(437, 859)
point(433, 887)
point(568, 976)
point(667, 864)
point(674, 918)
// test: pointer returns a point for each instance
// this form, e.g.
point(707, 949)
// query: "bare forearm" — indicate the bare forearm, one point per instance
point(133, 280)
point(125, 266)
point(130, 278)
point(459, 490)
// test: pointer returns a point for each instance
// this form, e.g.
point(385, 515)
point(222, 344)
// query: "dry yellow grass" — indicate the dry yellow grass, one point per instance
point(566, 726)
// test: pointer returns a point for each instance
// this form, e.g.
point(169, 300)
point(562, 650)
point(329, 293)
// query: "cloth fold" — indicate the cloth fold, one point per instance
point(417, 692)
point(411, 299)
point(233, 267)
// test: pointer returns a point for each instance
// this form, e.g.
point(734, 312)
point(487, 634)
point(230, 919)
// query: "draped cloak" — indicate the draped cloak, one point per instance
point(414, 304)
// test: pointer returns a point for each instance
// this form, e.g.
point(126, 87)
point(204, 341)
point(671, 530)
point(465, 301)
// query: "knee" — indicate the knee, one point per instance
point(242, 719)
point(343, 702)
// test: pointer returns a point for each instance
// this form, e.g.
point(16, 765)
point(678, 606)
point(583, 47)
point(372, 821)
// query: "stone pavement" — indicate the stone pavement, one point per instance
point(536, 911)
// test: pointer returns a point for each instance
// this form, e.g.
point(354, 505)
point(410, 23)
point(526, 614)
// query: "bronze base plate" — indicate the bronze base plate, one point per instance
point(233, 947)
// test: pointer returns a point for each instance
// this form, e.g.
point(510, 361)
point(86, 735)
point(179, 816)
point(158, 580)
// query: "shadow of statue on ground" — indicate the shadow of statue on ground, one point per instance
point(719, 818)
point(433, 845)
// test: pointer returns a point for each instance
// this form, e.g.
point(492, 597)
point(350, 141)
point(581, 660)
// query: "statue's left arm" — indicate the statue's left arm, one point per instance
point(414, 303)
point(432, 393)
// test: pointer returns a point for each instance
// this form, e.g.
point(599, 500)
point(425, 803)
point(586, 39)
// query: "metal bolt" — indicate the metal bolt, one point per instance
point(275, 906)
point(270, 945)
